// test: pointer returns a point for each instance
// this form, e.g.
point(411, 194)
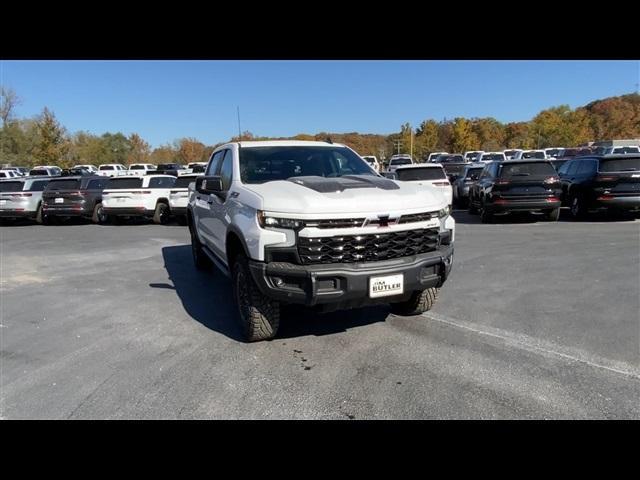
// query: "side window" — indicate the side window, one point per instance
point(573, 168)
point(226, 170)
point(162, 182)
point(212, 168)
point(97, 184)
point(485, 172)
point(564, 168)
point(587, 167)
point(493, 170)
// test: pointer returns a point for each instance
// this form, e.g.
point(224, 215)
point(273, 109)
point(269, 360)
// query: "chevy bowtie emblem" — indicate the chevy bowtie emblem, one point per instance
point(383, 221)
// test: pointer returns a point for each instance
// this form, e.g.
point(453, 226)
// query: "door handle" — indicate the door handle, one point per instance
point(209, 202)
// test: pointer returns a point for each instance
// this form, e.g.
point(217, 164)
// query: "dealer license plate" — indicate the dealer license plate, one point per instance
point(386, 286)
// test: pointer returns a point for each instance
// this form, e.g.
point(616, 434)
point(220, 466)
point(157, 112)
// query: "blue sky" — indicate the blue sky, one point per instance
point(166, 100)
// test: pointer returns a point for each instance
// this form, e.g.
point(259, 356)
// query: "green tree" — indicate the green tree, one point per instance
point(139, 150)
point(463, 136)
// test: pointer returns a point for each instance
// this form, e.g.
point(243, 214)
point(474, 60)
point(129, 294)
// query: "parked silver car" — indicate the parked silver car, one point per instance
point(22, 198)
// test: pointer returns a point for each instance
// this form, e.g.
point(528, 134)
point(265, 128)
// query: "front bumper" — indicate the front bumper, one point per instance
point(346, 285)
point(128, 211)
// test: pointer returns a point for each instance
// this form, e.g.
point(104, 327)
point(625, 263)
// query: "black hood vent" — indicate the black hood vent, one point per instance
point(339, 184)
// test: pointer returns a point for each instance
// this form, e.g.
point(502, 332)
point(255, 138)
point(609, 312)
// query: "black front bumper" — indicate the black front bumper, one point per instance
point(128, 212)
point(522, 205)
point(67, 211)
point(346, 285)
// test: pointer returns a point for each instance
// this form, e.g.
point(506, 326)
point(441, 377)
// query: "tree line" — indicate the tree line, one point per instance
point(43, 140)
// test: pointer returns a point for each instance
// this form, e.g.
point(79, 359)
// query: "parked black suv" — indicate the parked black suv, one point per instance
point(605, 183)
point(79, 196)
point(516, 185)
point(463, 183)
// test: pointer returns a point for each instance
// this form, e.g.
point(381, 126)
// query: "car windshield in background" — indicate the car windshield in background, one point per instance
point(11, 186)
point(539, 155)
point(474, 172)
point(136, 167)
point(558, 163)
point(162, 182)
point(170, 166)
point(554, 152)
point(63, 185)
point(266, 164)
point(626, 150)
point(124, 183)
point(38, 172)
point(107, 167)
point(453, 169)
point(510, 152)
point(620, 165)
point(424, 173)
point(401, 161)
point(493, 157)
point(183, 182)
point(527, 170)
point(450, 159)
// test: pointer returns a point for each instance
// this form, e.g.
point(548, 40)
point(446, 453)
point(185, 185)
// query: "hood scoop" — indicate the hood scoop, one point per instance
point(340, 184)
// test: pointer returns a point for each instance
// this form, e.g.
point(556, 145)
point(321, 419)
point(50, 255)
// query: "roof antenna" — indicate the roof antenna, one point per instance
point(239, 131)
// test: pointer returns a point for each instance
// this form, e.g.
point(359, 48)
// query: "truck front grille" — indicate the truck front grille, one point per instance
point(366, 248)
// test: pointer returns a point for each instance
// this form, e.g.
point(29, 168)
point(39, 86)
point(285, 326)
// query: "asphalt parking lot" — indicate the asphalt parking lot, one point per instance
point(538, 320)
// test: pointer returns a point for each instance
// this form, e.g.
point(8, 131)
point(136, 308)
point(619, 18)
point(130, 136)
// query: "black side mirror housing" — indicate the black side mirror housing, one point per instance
point(209, 185)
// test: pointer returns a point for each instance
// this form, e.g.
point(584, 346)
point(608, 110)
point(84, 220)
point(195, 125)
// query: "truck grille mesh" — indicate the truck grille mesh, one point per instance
point(366, 248)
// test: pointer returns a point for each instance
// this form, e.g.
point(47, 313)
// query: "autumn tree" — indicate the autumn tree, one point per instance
point(190, 150)
point(463, 136)
point(8, 101)
point(426, 139)
point(139, 149)
point(490, 133)
point(52, 145)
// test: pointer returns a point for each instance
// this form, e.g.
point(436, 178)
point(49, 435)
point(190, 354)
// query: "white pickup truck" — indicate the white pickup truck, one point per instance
point(131, 196)
point(112, 170)
point(140, 169)
point(296, 222)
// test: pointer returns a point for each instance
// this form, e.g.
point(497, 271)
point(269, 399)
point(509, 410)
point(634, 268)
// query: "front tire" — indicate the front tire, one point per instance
point(578, 211)
point(418, 303)
point(485, 215)
point(258, 314)
point(200, 259)
point(40, 218)
point(161, 215)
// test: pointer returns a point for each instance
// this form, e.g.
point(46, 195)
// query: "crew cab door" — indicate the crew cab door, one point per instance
point(219, 217)
point(203, 207)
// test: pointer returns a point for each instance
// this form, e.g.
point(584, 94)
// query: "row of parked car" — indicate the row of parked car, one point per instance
point(47, 199)
point(104, 170)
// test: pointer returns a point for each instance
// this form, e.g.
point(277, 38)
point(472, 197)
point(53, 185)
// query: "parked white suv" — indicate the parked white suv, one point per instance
point(140, 169)
point(397, 160)
point(372, 160)
point(179, 196)
point(294, 222)
point(22, 198)
point(530, 155)
point(431, 175)
point(132, 196)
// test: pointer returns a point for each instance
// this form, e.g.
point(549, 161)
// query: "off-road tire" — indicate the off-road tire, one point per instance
point(40, 217)
point(419, 302)
point(258, 314)
point(553, 215)
point(98, 216)
point(161, 215)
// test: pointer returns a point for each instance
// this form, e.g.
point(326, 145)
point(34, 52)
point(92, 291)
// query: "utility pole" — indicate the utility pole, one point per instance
point(397, 144)
point(411, 134)
point(239, 130)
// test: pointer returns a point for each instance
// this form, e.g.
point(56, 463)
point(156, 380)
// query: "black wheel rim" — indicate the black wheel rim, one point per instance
point(575, 207)
point(101, 216)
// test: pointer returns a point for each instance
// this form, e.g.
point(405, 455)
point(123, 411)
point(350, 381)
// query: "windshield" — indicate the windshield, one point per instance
point(423, 173)
point(124, 183)
point(498, 157)
point(183, 182)
point(38, 172)
point(11, 186)
point(626, 150)
point(170, 166)
point(532, 154)
point(107, 167)
point(266, 164)
point(450, 159)
point(474, 172)
point(620, 165)
point(136, 167)
point(400, 161)
point(473, 155)
point(63, 185)
point(527, 169)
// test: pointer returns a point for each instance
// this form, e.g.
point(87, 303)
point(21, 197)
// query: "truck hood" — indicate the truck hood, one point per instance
point(347, 194)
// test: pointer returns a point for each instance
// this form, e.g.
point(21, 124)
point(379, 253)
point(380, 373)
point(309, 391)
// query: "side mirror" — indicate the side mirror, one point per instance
point(209, 185)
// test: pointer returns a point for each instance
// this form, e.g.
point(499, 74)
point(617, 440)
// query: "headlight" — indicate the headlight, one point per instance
point(266, 221)
point(444, 212)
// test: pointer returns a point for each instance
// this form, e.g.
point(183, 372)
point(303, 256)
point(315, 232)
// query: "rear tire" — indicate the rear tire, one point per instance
point(473, 210)
point(485, 216)
point(98, 217)
point(578, 211)
point(258, 314)
point(161, 215)
point(553, 215)
point(418, 303)
point(40, 218)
